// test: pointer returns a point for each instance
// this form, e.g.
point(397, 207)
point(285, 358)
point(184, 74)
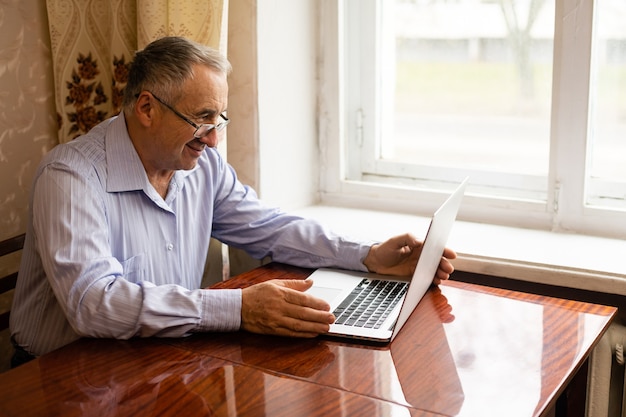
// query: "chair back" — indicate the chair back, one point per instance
point(7, 282)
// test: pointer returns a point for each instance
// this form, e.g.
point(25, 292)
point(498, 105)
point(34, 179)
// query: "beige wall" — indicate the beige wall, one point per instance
point(272, 140)
point(243, 133)
point(27, 112)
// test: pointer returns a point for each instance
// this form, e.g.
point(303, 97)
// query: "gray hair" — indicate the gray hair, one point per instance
point(165, 64)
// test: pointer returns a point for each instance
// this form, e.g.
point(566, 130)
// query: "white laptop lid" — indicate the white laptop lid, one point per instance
point(334, 285)
point(434, 245)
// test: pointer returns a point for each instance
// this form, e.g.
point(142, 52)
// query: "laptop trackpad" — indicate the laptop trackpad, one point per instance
point(325, 293)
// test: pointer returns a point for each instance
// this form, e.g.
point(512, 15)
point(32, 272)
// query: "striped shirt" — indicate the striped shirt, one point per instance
point(106, 256)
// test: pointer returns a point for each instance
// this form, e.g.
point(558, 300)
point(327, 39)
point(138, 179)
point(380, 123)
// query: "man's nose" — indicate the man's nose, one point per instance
point(210, 139)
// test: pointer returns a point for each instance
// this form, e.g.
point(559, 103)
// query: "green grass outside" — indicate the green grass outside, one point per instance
point(494, 88)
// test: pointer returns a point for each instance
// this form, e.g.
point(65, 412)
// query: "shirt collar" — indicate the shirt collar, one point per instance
point(125, 170)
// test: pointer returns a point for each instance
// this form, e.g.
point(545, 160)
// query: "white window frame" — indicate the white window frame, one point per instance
point(562, 211)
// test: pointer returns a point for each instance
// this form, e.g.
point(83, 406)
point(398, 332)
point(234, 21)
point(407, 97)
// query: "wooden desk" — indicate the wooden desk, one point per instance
point(467, 350)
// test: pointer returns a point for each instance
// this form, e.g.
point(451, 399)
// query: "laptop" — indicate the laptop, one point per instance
point(374, 307)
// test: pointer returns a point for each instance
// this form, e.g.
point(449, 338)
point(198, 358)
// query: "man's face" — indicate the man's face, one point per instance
point(204, 97)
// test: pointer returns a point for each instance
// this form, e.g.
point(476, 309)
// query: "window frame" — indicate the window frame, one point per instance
point(563, 210)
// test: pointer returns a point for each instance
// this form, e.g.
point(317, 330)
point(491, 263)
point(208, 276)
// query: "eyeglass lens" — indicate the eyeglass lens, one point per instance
point(205, 129)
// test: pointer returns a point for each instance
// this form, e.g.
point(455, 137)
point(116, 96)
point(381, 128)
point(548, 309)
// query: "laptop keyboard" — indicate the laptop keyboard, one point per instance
point(370, 303)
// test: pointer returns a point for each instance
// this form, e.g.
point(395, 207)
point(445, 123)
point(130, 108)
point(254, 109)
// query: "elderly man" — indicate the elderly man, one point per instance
point(121, 218)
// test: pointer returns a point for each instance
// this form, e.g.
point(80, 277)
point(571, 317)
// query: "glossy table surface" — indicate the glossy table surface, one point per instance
point(467, 350)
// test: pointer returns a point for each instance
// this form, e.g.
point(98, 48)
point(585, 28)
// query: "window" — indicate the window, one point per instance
point(526, 97)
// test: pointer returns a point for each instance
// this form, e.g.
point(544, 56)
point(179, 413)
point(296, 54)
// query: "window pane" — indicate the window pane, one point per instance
point(473, 82)
point(607, 170)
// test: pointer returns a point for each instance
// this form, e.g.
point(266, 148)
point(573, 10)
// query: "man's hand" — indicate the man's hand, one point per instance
point(282, 308)
point(399, 255)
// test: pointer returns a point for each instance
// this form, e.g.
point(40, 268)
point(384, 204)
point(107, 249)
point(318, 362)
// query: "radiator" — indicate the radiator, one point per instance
point(606, 388)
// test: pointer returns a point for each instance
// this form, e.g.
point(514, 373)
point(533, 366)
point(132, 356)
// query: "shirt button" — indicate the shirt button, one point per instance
point(170, 246)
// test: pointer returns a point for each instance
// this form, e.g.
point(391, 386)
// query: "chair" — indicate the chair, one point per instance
point(7, 282)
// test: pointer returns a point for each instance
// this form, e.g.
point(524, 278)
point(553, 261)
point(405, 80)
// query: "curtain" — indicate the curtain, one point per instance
point(93, 42)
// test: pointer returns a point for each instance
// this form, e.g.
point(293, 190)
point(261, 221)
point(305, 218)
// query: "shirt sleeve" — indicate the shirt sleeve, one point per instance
point(243, 221)
point(72, 239)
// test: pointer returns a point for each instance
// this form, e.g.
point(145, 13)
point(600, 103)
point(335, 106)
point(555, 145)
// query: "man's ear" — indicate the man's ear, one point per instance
point(144, 109)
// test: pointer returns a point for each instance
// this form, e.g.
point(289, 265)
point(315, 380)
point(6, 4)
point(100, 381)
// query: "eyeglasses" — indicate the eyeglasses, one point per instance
point(202, 129)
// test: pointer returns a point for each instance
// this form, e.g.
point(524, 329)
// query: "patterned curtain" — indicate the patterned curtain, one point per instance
point(93, 42)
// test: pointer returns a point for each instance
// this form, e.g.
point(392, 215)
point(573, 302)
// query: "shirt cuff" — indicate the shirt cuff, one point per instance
point(222, 310)
point(354, 253)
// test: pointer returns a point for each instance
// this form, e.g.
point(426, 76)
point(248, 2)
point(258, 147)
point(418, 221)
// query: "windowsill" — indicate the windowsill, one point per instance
point(567, 260)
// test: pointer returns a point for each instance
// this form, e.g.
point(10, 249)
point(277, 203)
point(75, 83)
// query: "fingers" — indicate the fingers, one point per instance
point(395, 256)
point(449, 253)
point(444, 270)
point(299, 297)
point(406, 242)
point(282, 308)
point(307, 322)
